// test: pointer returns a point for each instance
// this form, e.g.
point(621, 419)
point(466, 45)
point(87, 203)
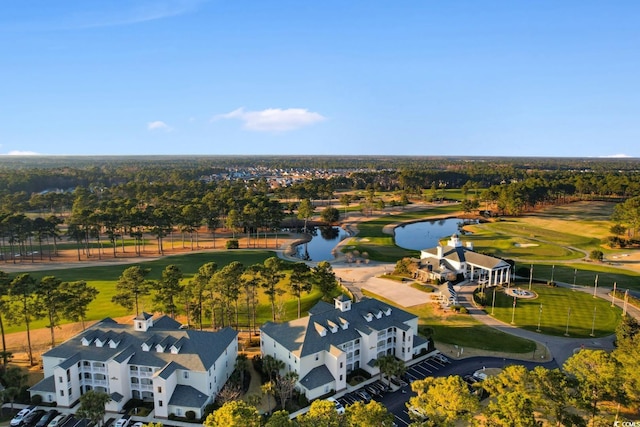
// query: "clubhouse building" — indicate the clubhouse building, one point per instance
point(455, 260)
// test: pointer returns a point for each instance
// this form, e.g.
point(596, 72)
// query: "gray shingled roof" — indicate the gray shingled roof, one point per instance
point(418, 341)
point(47, 385)
point(317, 377)
point(198, 351)
point(187, 396)
point(462, 254)
point(302, 338)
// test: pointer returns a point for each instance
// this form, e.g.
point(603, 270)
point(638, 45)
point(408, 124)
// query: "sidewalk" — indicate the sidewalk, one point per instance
point(560, 348)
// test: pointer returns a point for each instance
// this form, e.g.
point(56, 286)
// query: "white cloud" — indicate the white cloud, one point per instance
point(274, 119)
point(22, 153)
point(617, 156)
point(159, 125)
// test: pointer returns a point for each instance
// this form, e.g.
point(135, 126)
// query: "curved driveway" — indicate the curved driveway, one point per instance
point(356, 277)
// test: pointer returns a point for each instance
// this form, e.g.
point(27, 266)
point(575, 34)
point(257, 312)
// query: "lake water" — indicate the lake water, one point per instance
point(322, 243)
point(425, 234)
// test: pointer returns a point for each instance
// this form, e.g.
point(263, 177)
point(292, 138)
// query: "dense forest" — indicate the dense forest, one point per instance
point(89, 198)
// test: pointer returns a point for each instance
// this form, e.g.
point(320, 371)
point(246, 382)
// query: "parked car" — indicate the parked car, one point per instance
point(339, 406)
point(364, 395)
point(123, 422)
point(417, 413)
point(58, 420)
point(441, 358)
point(47, 417)
point(373, 391)
point(31, 419)
point(17, 420)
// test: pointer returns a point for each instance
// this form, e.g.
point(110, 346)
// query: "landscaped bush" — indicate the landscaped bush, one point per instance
point(36, 399)
point(459, 309)
point(233, 244)
point(190, 415)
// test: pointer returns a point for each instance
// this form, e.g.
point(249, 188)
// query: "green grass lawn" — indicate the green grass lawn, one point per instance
point(585, 274)
point(556, 303)
point(104, 279)
point(381, 246)
point(463, 330)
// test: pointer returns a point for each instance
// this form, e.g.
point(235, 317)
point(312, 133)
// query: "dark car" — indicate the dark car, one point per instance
point(47, 417)
point(364, 396)
point(31, 419)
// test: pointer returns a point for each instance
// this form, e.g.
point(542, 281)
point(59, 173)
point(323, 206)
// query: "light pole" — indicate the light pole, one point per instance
point(613, 295)
point(493, 303)
point(624, 306)
point(566, 332)
point(553, 269)
point(575, 273)
point(595, 286)
point(593, 322)
point(513, 311)
point(530, 276)
point(539, 318)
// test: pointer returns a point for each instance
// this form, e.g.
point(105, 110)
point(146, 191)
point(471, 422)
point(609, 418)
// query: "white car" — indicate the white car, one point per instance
point(17, 420)
point(123, 422)
point(339, 406)
point(417, 413)
point(57, 421)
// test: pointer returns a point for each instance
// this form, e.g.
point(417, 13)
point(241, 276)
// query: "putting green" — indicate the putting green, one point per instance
point(553, 308)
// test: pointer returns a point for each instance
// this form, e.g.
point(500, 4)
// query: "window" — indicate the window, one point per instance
point(60, 379)
point(317, 357)
point(341, 377)
point(340, 366)
point(68, 375)
point(61, 392)
point(357, 340)
point(159, 389)
point(178, 412)
point(186, 374)
point(160, 403)
point(70, 392)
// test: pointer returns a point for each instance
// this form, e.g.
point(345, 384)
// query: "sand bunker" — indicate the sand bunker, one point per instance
point(525, 245)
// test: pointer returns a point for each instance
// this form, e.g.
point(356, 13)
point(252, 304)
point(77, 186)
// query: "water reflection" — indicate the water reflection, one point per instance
point(322, 242)
point(426, 234)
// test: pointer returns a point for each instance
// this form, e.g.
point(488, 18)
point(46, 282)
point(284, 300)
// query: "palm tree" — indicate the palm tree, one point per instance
point(242, 366)
point(271, 365)
point(268, 389)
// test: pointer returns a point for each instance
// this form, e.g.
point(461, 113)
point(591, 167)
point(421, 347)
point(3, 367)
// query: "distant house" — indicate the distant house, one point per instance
point(455, 259)
point(334, 340)
point(178, 370)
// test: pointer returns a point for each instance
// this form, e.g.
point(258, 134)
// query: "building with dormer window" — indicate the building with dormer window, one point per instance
point(324, 347)
point(455, 259)
point(156, 360)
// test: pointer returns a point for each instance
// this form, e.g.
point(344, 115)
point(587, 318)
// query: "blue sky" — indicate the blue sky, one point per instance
point(422, 77)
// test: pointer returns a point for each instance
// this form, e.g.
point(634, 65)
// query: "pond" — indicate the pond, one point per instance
point(426, 234)
point(322, 242)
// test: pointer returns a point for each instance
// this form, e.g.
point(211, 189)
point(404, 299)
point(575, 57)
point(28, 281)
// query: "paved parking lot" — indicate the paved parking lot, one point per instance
point(396, 401)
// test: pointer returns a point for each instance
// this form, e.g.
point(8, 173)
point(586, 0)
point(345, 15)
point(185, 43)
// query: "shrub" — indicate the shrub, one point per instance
point(36, 399)
point(190, 415)
point(172, 416)
point(233, 244)
point(551, 284)
point(596, 255)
